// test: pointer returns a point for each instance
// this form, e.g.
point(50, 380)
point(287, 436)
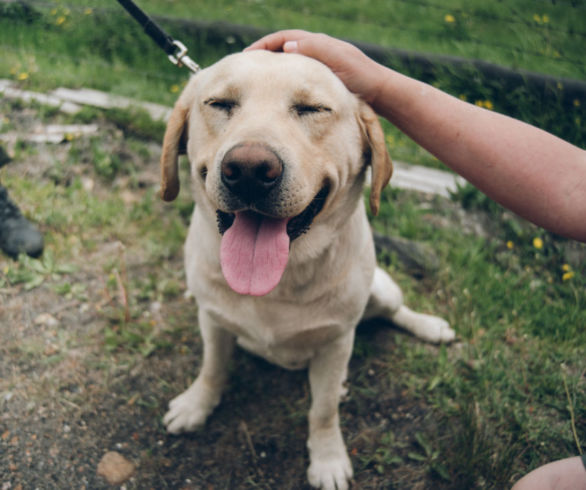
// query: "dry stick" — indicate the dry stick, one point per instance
point(122, 281)
point(572, 417)
point(244, 429)
point(123, 296)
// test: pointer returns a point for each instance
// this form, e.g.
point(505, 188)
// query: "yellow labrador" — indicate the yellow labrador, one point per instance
point(279, 254)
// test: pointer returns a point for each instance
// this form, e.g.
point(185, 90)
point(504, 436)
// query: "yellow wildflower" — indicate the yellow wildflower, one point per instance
point(567, 275)
point(60, 20)
point(541, 19)
point(22, 76)
point(568, 272)
point(174, 88)
point(88, 11)
point(510, 245)
point(576, 102)
point(538, 243)
point(487, 104)
point(449, 18)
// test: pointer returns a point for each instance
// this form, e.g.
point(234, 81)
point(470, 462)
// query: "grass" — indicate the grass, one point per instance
point(509, 397)
point(522, 319)
point(542, 37)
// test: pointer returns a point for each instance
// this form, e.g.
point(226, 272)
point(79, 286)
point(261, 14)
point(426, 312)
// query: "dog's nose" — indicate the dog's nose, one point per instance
point(251, 170)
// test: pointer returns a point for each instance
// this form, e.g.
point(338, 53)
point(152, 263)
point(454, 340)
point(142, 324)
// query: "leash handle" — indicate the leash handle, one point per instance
point(176, 50)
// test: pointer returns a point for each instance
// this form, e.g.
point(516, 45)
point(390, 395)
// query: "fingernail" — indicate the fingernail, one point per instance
point(291, 47)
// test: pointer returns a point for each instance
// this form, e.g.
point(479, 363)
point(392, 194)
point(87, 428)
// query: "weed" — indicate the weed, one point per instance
point(429, 456)
point(31, 273)
point(386, 455)
point(130, 337)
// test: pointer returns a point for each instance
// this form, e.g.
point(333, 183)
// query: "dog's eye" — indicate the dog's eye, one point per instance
point(310, 109)
point(224, 105)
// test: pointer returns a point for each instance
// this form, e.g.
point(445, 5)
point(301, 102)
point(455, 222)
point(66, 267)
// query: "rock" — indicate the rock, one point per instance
point(46, 320)
point(115, 468)
point(418, 259)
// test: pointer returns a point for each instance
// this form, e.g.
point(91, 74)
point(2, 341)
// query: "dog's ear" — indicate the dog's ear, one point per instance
point(174, 144)
point(376, 151)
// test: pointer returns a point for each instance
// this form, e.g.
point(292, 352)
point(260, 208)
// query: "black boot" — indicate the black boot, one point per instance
point(17, 235)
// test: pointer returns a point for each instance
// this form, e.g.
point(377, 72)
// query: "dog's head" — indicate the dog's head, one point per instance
point(277, 145)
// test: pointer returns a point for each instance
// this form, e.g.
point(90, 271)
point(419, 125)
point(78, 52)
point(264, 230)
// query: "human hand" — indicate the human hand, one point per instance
point(358, 72)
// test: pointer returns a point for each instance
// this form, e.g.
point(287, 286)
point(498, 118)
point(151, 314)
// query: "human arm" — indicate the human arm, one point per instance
point(532, 172)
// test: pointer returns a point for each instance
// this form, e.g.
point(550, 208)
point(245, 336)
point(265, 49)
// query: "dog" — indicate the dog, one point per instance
point(279, 253)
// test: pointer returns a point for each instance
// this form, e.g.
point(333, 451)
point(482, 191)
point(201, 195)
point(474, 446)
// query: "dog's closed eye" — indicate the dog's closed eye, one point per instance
point(224, 105)
point(303, 109)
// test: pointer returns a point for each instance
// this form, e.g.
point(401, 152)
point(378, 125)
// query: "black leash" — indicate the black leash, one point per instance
point(176, 50)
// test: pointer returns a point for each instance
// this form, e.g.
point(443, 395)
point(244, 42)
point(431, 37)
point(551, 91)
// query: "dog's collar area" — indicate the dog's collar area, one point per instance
point(296, 226)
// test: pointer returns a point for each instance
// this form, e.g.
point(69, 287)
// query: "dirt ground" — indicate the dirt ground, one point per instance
point(65, 407)
point(68, 397)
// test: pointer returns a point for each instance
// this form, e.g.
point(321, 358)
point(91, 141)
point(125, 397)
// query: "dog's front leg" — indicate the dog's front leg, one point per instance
point(329, 467)
point(191, 409)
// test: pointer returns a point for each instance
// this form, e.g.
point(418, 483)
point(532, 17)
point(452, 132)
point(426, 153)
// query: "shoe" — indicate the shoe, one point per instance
point(17, 234)
point(4, 157)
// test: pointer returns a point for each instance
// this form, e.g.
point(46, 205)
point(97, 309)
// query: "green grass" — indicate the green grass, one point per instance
point(543, 37)
point(502, 397)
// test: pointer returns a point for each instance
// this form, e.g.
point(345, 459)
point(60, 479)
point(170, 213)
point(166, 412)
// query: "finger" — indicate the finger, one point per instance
point(317, 46)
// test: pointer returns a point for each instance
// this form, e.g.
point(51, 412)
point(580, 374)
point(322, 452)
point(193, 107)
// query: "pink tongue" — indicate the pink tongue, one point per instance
point(254, 252)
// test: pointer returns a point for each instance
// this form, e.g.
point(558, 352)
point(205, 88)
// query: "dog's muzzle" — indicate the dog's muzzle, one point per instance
point(255, 245)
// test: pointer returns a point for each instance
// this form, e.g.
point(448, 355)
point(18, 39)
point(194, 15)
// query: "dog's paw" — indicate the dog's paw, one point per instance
point(330, 473)
point(189, 410)
point(330, 467)
point(435, 330)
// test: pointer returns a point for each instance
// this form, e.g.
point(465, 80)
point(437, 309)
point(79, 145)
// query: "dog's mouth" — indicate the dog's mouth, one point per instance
point(296, 226)
point(255, 247)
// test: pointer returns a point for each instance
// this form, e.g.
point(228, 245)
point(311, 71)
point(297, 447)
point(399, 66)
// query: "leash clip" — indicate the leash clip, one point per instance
point(181, 59)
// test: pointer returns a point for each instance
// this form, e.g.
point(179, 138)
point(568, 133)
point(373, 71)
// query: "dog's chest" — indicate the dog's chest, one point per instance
point(283, 333)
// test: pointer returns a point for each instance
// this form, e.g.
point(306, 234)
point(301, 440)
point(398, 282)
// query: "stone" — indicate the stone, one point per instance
point(115, 468)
